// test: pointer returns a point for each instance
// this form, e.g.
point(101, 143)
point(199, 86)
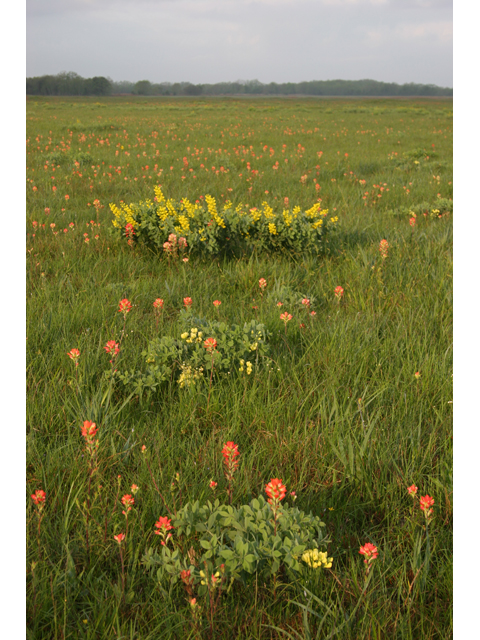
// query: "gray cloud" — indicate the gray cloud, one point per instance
point(223, 40)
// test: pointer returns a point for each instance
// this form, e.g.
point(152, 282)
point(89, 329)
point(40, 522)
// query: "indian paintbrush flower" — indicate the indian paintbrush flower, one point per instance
point(210, 345)
point(412, 490)
point(383, 248)
point(112, 347)
point(339, 292)
point(164, 525)
point(158, 304)
point(230, 453)
point(74, 354)
point(128, 501)
point(39, 498)
point(370, 552)
point(426, 505)
point(124, 306)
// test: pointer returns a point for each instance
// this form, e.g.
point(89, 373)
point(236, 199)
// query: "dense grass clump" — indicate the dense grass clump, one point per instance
point(321, 381)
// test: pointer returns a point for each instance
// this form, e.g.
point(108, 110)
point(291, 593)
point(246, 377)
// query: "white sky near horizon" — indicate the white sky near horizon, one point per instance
point(208, 41)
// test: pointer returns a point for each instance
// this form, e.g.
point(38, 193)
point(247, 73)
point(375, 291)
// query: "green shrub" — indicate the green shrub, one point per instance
point(245, 540)
point(208, 231)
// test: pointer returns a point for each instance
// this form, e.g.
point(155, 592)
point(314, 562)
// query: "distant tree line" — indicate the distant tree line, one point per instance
point(71, 84)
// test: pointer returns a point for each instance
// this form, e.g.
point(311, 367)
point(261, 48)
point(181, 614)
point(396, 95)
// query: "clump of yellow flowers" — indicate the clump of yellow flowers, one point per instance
point(194, 336)
point(248, 365)
point(211, 227)
point(189, 375)
point(317, 559)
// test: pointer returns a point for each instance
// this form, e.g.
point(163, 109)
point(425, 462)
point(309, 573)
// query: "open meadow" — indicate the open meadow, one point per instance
point(239, 368)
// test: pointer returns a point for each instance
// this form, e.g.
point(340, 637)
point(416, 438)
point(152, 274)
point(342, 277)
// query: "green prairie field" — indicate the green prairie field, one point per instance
point(239, 395)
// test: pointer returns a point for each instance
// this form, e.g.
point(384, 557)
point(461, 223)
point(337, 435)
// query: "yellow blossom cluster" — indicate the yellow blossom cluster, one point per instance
point(194, 336)
point(248, 365)
point(189, 375)
point(205, 224)
point(317, 559)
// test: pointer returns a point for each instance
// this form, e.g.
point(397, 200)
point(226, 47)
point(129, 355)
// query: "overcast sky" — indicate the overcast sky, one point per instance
point(207, 41)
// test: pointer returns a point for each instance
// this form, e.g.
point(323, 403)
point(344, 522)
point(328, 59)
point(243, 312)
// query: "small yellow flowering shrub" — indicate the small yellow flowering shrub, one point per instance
point(187, 361)
point(209, 229)
point(241, 543)
point(437, 209)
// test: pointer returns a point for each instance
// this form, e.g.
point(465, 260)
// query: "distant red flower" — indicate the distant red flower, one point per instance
point(230, 450)
point(39, 497)
point(187, 302)
point(74, 354)
point(262, 283)
point(164, 524)
point(112, 347)
point(412, 222)
point(383, 248)
point(210, 345)
point(213, 484)
point(286, 317)
point(120, 538)
point(89, 429)
point(370, 552)
point(339, 292)
point(158, 304)
point(275, 490)
point(216, 303)
point(124, 306)
point(412, 490)
point(306, 302)
point(128, 501)
point(426, 504)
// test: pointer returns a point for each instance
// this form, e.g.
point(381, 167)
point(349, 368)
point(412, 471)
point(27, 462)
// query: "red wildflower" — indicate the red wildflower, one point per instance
point(163, 525)
point(120, 538)
point(412, 490)
point(74, 355)
point(230, 451)
point(187, 302)
point(216, 303)
point(112, 347)
point(370, 552)
point(158, 304)
point(275, 490)
point(210, 345)
point(262, 283)
point(339, 292)
point(124, 306)
point(128, 501)
point(383, 248)
point(426, 503)
point(39, 497)
point(89, 429)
